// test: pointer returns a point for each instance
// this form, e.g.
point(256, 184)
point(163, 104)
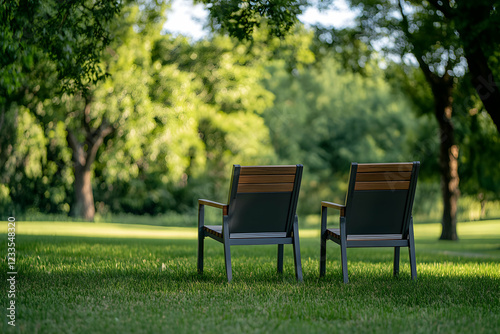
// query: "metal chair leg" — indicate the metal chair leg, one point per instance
point(227, 260)
point(396, 261)
point(280, 258)
point(296, 250)
point(411, 250)
point(227, 248)
point(343, 249)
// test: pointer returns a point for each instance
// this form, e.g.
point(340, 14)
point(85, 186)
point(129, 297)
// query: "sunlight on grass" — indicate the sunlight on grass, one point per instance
point(471, 230)
point(104, 230)
point(120, 278)
point(110, 230)
point(466, 230)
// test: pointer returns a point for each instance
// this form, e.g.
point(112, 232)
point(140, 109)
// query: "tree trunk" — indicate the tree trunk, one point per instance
point(442, 91)
point(448, 162)
point(448, 155)
point(83, 206)
point(84, 156)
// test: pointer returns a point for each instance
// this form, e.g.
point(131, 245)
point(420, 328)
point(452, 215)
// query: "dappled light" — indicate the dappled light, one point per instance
point(105, 230)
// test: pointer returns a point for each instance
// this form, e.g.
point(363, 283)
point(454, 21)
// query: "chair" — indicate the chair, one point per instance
point(260, 211)
point(377, 212)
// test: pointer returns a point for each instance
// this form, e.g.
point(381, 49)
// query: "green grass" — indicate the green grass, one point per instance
point(123, 278)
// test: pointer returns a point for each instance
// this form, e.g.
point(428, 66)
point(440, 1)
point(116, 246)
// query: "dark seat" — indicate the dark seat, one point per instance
point(377, 212)
point(261, 210)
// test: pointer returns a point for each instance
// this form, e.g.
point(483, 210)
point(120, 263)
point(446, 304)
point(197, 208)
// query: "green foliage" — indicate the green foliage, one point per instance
point(344, 45)
point(70, 33)
point(241, 18)
point(480, 145)
point(46, 46)
point(325, 118)
point(229, 75)
point(480, 170)
point(183, 112)
point(39, 165)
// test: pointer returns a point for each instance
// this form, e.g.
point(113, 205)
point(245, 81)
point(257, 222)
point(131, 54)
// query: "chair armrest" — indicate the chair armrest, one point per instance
point(339, 207)
point(214, 204)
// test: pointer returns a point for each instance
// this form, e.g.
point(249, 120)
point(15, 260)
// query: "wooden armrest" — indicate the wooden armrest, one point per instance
point(334, 206)
point(214, 204)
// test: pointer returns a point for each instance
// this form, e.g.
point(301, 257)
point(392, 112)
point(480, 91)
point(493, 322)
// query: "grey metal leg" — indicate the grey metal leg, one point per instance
point(280, 258)
point(411, 250)
point(322, 256)
point(227, 249)
point(227, 259)
point(343, 249)
point(396, 261)
point(296, 250)
point(201, 237)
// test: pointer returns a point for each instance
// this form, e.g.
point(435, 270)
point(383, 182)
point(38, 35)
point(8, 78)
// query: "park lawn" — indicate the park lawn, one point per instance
point(124, 278)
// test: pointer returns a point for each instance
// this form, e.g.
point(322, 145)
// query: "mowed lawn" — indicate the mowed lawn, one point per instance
point(124, 278)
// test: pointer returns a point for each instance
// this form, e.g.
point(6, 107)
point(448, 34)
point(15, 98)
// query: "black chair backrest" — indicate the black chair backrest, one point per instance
point(263, 198)
point(380, 198)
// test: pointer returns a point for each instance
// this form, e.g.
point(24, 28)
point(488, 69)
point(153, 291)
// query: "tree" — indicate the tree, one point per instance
point(240, 18)
point(97, 112)
point(79, 31)
point(71, 35)
point(414, 31)
point(440, 46)
point(178, 111)
point(410, 28)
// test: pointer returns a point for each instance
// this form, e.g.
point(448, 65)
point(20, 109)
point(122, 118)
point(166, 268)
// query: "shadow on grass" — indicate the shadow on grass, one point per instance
point(37, 286)
point(120, 285)
point(83, 260)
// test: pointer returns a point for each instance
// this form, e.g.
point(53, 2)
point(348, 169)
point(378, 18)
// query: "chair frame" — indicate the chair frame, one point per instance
point(228, 239)
point(345, 240)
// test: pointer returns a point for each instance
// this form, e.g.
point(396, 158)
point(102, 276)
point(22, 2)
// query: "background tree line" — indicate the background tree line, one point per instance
point(136, 121)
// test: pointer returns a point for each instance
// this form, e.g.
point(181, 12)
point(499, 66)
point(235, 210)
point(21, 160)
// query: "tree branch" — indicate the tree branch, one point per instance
point(95, 141)
point(484, 82)
point(77, 147)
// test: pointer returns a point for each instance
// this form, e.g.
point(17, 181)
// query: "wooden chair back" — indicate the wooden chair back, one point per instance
point(380, 198)
point(263, 198)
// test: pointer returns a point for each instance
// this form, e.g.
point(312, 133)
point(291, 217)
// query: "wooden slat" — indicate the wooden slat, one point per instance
point(384, 176)
point(265, 188)
point(389, 167)
point(334, 206)
point(224, 207)
point(267, 178)
point(392, 185)
point(268, 170)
